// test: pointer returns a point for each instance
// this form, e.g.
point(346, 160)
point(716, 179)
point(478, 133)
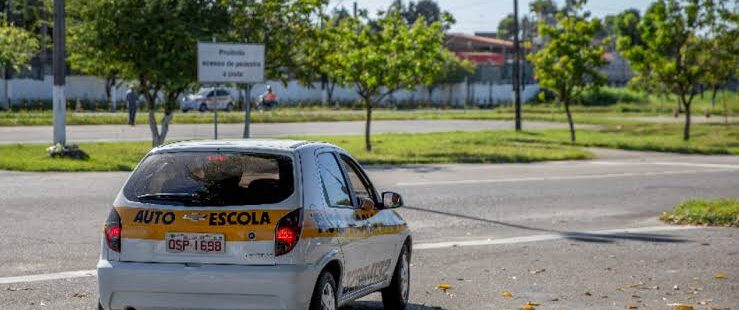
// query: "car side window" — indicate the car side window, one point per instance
point(359, 182)
point(335, 188)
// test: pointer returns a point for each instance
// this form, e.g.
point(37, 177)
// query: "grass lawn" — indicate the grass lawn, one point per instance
point(450, 147)
point(719, 212)
point(103, 157)
point(425, 148)
point(658, 137)
point(454, 147)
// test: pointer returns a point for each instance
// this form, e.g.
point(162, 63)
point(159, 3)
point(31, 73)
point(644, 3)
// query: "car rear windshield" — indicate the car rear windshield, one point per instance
point(211, 179)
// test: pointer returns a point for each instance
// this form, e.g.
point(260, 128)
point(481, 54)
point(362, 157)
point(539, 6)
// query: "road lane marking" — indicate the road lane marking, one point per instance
point(664, 163)
point(547, 237)
point(560, 178)
point(702, 165)
point(49, 276)
point(419, 246)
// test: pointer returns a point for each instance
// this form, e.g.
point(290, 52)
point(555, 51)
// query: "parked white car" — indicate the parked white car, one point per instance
point(208, 99)
point(252, 224)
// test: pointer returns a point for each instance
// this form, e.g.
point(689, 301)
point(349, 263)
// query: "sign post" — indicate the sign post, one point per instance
point(231, 63)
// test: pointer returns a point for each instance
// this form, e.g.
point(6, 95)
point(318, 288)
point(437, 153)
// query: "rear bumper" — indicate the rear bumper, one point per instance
point(160, 286)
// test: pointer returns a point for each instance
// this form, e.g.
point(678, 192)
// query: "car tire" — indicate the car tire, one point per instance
point(185, 110)
point(395, 296)
point(100, 306)
point(229, 107)
point(203, 107)
point(325, 293)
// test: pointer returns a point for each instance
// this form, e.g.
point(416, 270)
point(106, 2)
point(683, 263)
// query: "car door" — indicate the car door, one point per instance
point(381, 244)
point(210, 100)
point(352, 235)
point(222, 99)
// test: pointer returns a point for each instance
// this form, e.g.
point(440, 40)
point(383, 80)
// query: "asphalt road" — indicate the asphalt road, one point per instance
point(43, 134)
point(566, 235)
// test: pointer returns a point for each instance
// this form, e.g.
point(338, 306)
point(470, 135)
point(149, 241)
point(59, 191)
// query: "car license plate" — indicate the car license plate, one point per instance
point(195, 243)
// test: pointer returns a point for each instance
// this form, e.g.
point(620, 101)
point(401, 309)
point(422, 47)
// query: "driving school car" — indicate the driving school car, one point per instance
point(252, 224)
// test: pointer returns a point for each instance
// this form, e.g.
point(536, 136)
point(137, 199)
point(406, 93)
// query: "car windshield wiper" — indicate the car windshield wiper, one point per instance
point(187, 197)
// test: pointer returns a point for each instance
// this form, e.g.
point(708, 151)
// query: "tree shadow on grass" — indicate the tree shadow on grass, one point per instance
point(569, 235)
point(377, 305)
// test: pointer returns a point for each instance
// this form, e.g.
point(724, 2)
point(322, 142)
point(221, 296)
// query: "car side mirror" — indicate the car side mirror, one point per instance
point(392, 200)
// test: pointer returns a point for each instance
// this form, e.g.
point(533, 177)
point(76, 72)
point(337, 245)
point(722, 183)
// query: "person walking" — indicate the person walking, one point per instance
point(132, 100)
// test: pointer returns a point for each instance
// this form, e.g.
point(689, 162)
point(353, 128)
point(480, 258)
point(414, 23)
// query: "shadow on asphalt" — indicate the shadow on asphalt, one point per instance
point(377, 305)
point(570, 235)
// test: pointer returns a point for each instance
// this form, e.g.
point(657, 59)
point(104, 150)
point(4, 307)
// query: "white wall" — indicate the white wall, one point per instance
point(77, 86)
point(89, 87)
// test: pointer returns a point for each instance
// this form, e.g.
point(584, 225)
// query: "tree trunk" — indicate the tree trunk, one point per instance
point(330, 92)
point(726, 110)
point(367, 142)
point(150, 104)
point(569, 120)
point(686, 131)
point(713, 96)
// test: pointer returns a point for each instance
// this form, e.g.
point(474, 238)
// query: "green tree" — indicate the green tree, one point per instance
point(314, 51)
point(17, 47)
point(721, 61)
point(88, 60)
point(674, 35)
point(568, 63)
point(545, 11)
point(505, 27)
point(282, 26)
point(453, 70)
point(379, 62)
point(154, 40)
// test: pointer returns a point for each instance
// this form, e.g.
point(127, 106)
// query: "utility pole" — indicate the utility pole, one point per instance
point(516, 66)
point(59, 101)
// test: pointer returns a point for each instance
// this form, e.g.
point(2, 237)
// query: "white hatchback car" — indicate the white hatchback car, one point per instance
point(208, 99)
point(252, 224)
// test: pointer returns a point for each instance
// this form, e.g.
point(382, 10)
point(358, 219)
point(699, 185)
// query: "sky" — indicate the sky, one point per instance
point(484, 15)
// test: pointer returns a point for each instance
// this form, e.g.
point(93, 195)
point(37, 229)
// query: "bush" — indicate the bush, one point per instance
point(606, 96)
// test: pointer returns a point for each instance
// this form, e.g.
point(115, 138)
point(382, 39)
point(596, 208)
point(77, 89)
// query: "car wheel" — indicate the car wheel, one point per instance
point(203, 107)
point(230, 107)
point(185, 110)
point(324, 294)
point(395, 296)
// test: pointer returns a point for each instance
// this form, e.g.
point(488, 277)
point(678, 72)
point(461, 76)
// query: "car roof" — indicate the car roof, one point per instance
point(250, 144)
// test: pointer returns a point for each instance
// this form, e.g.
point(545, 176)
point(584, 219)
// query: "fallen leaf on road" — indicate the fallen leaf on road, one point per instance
point(587, 293)
point(13, 289)
point(443, 286)
point(682, 307)
point(79, 295)
point(720, 276)
point(529, 306)
point(633, 307)
point(537, 271)
point(506, 294)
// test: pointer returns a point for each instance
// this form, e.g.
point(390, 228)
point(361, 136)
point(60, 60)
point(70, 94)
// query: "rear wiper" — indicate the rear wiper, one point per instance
point(170, 196)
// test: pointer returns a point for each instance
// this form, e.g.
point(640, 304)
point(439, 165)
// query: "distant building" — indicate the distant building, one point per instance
point(617, 70)
point(493, 57)
point(487, 34)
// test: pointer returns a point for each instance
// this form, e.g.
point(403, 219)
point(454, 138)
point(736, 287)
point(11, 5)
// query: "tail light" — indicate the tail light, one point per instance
point(287, 232)
point(113, 231)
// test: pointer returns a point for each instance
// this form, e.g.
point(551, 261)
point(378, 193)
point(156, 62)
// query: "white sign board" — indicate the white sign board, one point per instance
point(230, 63)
